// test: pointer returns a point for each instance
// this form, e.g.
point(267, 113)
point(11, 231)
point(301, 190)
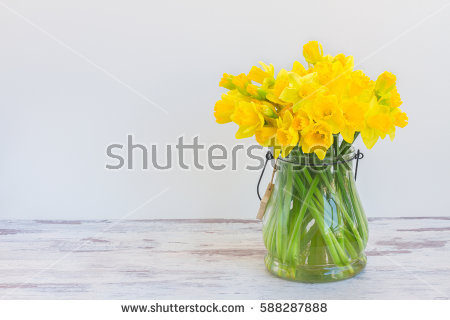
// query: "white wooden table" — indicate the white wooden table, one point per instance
point(408, 258)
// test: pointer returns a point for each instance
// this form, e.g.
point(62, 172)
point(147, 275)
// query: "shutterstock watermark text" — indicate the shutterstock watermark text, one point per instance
point(186, 154)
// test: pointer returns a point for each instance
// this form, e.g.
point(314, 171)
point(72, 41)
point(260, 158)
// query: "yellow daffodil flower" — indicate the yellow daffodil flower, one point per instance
point(248, 118)
point(287, 137)
point(384, 84)
point(346, 62)
point(378, 124)
point(299, 69)
point(281, 82)
point(394, 99)
point(265, 136)
point(331, 74)
point(399, 118)
point(359, 84)
point(259, 75)
point(227, 81)
point(240, 81)
point(302, 121)
point(318, 139)
point(326, 108)
point(391, 99)
point(354, 114)
point(313, 52)
point(301, 90)
point(224, 108)
point(381, 122)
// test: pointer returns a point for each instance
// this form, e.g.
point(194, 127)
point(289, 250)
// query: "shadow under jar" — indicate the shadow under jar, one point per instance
point(314, 227)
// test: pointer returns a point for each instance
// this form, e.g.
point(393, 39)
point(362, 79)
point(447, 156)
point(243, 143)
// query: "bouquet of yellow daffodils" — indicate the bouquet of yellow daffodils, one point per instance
point(307, 106)
point(315, 228)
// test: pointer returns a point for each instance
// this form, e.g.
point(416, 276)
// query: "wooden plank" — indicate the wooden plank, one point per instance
point(408, 258)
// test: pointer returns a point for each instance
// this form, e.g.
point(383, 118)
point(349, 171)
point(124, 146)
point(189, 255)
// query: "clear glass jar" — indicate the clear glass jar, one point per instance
point(314, 226)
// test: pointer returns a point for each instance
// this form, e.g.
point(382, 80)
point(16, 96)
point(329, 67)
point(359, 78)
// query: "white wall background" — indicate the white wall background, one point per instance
point(60, 105)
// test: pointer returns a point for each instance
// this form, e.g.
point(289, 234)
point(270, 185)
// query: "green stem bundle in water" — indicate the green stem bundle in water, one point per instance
point(315, 229)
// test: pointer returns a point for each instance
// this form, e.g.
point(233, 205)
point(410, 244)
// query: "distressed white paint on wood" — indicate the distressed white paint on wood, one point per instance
point(408, 258)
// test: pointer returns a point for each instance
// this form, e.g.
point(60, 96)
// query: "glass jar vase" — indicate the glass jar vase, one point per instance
point(314, 226)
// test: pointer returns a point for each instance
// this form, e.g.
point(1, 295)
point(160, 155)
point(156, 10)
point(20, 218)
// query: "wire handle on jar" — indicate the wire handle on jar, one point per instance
point(269, 156)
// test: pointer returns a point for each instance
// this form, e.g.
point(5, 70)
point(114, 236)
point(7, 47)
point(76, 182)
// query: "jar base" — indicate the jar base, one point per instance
point(314, 274)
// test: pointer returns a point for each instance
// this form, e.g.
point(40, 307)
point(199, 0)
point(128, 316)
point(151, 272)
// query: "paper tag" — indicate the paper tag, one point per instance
point(266, 197)
point(264, 201)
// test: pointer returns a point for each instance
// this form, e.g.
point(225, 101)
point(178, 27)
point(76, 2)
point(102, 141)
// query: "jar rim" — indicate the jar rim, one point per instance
point(350, 155)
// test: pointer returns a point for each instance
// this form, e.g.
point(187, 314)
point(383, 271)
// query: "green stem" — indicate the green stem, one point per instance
point(305, 204)
point(334, 248)
point(342, 206)
point(282, 227)
point(360, 235)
